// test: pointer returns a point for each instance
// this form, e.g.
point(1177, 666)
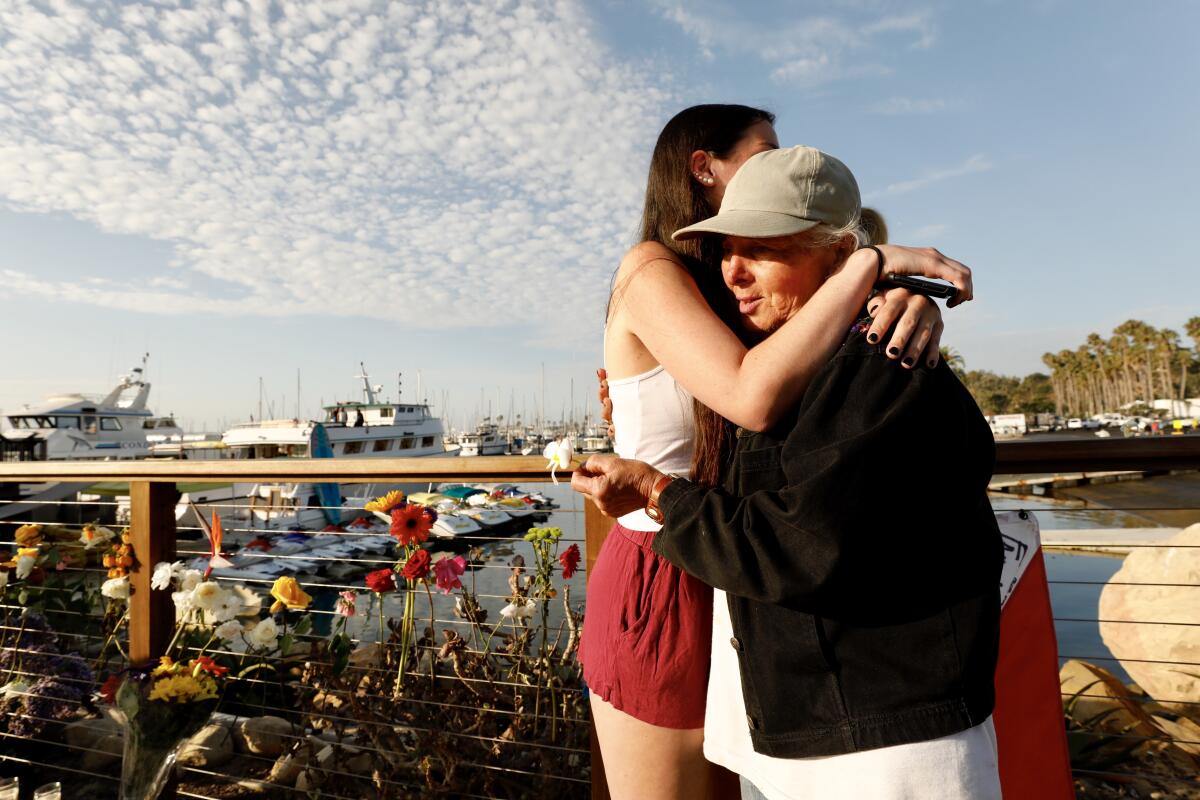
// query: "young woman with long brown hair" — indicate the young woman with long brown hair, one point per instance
point(677, 372)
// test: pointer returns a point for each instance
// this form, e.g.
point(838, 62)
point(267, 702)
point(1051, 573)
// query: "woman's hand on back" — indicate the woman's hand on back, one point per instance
point(918, 326)
point(926, 262)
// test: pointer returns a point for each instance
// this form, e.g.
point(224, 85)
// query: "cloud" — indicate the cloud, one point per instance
point(974, 164)
point(844, 42)
point(421, 162)
point(930, 231)
point(897, 106)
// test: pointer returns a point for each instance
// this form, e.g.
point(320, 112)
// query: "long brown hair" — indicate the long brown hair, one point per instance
point(673, 201)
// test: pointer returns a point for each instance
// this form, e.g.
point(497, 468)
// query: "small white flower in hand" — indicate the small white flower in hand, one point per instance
point(559, 454)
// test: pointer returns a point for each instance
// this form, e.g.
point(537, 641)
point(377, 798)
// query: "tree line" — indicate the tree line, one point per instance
point(1136, 364)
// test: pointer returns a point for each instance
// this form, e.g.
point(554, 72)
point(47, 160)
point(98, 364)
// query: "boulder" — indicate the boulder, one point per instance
point(1174, 568)
point(102, 741)
point(212, 746)
point(264, 736)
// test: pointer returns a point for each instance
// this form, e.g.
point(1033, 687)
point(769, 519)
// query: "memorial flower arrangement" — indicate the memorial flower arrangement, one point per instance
point(465, 695)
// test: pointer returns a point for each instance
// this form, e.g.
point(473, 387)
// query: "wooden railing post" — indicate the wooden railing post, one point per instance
point(152, 526)
point(596, 526)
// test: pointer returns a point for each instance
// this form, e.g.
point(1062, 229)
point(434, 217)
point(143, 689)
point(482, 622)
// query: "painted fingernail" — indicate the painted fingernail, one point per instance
point(907, 361)
point(893, 351)
point(872, 338)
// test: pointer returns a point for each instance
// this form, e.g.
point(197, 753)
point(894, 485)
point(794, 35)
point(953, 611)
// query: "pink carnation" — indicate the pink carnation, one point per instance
point(447, 571)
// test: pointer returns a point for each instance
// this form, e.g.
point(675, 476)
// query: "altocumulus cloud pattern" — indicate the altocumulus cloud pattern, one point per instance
point(327, 156)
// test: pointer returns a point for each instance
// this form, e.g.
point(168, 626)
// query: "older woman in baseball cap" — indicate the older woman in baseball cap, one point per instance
point(850, 658)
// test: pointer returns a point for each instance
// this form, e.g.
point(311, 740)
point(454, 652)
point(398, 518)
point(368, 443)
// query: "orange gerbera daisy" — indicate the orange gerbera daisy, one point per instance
point(411, 524)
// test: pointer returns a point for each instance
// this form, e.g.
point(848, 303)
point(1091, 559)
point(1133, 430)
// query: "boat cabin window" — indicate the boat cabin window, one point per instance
point(427, 441)
point(407, 443)
point(387, 412)
point(382, 444)
point(351, 448)
point(110, 424)
point(147, 424)
point(68, 422)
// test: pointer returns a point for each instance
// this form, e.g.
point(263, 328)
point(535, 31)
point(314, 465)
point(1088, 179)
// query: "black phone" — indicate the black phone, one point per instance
point(923, 286)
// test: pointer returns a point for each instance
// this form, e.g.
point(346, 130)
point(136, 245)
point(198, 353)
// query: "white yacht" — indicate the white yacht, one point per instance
point(76, 426)
point(372, 428)
point(485, 440)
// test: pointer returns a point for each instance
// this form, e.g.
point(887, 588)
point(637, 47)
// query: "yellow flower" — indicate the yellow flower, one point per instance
point(386, 503)
point(184, 688)
point(288, 594)
point(166, 666)
point(29, 535)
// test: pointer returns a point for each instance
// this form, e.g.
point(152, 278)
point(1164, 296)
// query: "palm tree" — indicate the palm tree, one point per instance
point(954, 360)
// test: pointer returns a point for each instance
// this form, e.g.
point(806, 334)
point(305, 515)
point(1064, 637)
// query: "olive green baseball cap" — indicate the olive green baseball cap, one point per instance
point(783, 192)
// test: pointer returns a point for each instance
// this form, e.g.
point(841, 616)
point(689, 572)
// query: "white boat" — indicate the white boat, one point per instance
point(371, 428)
point(485, 440)
point(485, 516)
point(451, 520)
point(75, 426)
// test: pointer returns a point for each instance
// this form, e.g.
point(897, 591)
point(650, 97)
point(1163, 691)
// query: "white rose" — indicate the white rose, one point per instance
point(228, 630)
point(25, 565)
point(208, 596)
point(164, 571)
point(264, 634)
point(116, 588)
point(514, 611)
point(189, 579)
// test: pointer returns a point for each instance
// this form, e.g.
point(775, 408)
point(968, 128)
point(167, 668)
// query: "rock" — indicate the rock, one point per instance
point(264, 736)
point(103, 741)
point(1171, 685)
point(212, 746)
point(287, 768)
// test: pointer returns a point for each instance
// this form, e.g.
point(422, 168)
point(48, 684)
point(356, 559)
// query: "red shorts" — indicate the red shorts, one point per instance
point(647, 633)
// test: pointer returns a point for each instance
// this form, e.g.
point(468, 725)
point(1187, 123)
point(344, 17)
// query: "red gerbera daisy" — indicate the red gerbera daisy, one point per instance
point(569, 559)
point(410, 524)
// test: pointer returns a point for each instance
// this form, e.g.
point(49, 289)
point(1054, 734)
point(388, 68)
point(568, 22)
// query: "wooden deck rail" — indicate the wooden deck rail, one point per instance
point(153, 496)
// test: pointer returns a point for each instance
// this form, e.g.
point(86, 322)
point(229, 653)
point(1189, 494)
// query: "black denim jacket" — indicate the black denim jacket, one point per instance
point(861, 559)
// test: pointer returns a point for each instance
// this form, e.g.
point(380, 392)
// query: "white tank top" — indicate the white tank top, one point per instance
point(654, 421)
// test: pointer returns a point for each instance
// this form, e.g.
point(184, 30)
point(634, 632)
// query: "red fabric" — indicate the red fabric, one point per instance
point(1030, 738)
point(647, 639)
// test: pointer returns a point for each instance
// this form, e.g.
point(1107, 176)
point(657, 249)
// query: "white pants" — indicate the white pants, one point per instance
point(962, 766)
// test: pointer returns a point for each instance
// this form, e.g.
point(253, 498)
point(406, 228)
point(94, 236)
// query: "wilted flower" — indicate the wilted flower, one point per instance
point(29, 535)
point(264, 634)
point(446, 572)
point(345, 604)
point(115, 588)
point(289, 595)
point(569, 559)
point(417, 566)
point(381, 580)
point(516, 611)
point(411, 524)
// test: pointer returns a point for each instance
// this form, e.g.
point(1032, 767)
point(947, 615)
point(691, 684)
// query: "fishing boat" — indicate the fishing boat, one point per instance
point(485, 440)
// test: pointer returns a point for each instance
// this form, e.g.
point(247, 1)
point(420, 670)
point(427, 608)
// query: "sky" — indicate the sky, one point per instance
point(268, 193)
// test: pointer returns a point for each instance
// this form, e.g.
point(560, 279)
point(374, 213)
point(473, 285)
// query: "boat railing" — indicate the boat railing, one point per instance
point(153, 490)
